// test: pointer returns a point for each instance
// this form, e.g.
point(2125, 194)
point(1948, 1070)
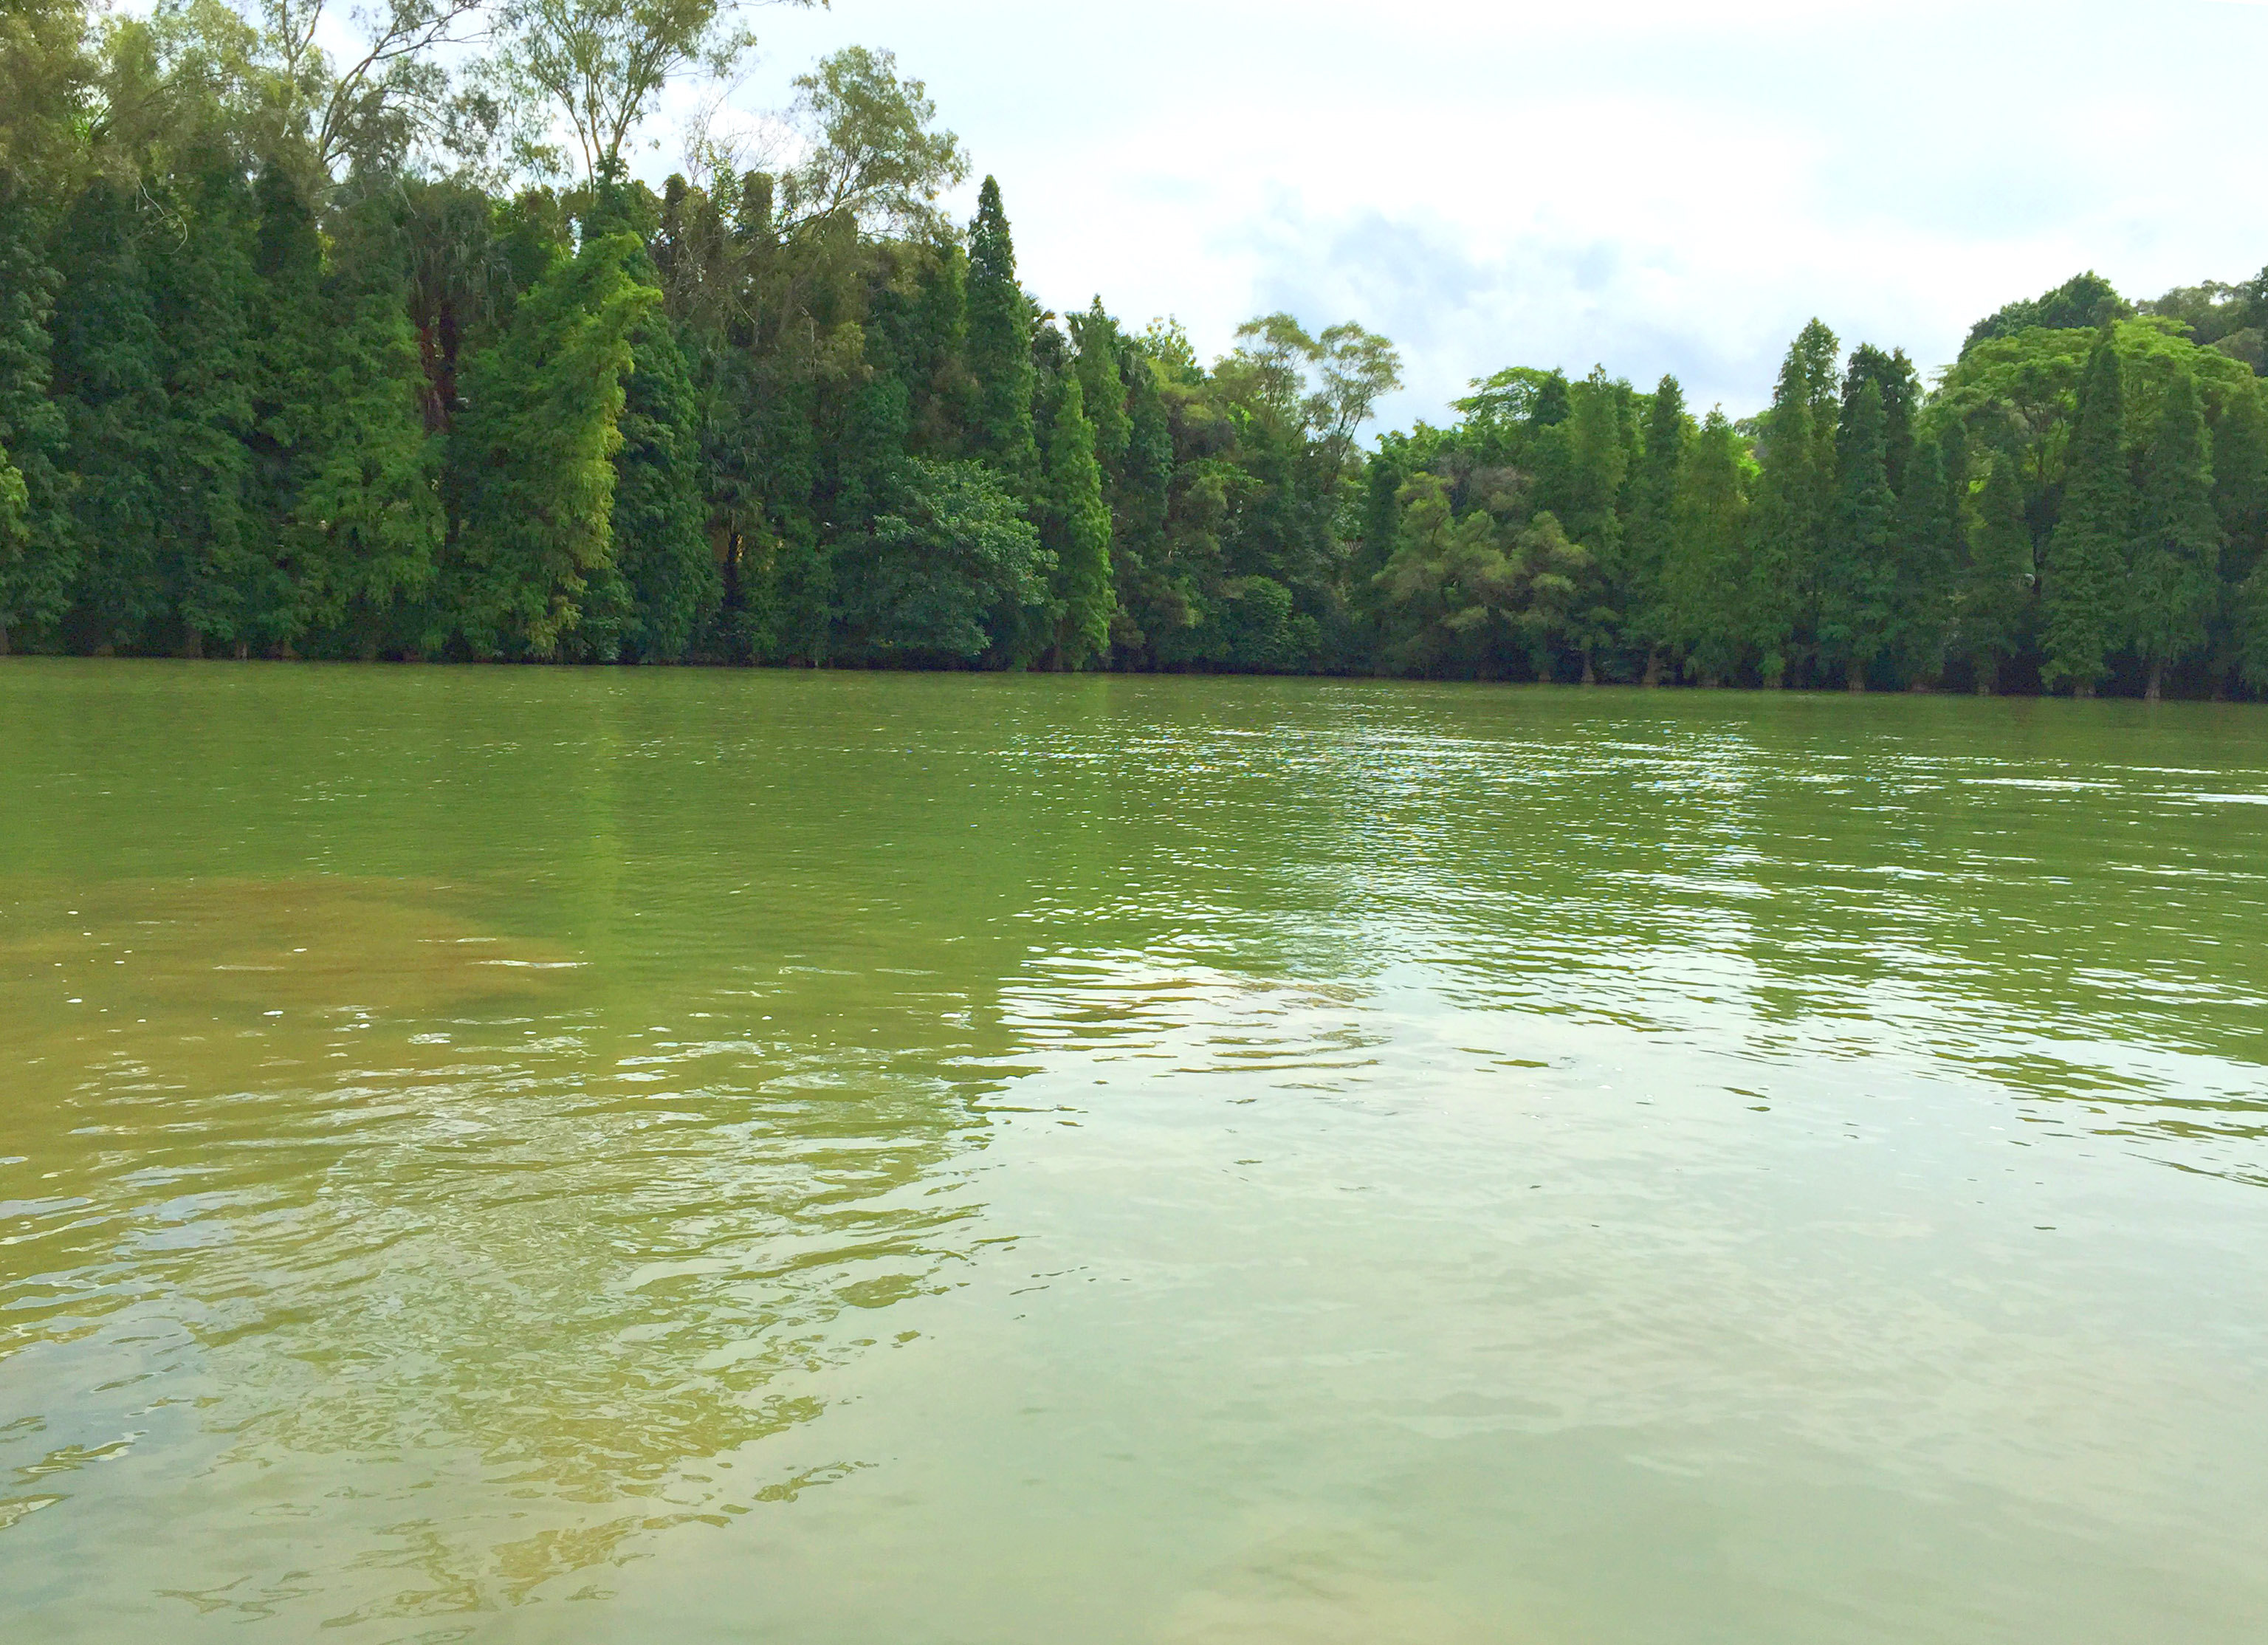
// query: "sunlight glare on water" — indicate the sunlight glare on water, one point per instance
point(534, 1155)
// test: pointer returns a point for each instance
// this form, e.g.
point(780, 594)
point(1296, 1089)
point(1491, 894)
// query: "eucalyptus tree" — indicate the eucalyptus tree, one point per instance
point(601, 65)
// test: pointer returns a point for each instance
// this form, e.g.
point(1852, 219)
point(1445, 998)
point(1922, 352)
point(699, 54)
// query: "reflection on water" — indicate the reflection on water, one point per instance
point(1123, 1159)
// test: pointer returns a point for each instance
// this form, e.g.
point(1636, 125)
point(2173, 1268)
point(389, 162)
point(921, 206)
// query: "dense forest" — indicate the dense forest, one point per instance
point(378, 351)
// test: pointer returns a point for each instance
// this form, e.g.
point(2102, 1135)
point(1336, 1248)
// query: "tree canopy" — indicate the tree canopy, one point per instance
point(354, 336)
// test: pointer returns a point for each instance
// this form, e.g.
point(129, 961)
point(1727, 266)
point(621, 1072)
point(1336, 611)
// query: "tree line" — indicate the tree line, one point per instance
point(382, 354)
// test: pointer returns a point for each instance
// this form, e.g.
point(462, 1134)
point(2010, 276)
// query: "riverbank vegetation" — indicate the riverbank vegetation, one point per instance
point(378, 352)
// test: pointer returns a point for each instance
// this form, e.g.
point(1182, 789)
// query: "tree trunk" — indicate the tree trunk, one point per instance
point(2155, 690)
point(1653, 675)
point(1855, 678)
point(243, 651)
point(1988, 676)
point(1589, 678)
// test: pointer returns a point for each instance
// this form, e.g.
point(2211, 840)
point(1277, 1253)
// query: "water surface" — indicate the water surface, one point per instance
point(543, 1156)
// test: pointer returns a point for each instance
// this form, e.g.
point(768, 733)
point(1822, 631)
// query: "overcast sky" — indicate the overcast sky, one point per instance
point(1649, 186)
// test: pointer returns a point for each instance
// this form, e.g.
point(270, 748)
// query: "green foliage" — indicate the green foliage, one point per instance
point(952, 563)
point(284, 368)
point(1078, 531)
point(1998, 581)
point(2088, 550)
point(38, 556)
point(534, 459)
point(1652, 523)
point(1920, 596)
point(1857, 572)
point(1000, 349)
point(662, 588)
point(1102, 389)
point(227, 587)
point(107, 378)
point(369, 503)
point(2173, 579)
point(1796, 495)
point(1452, 593)
point(2086, 302)
point(1704, 573)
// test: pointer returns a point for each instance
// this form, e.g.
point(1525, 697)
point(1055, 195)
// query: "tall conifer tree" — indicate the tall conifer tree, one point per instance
point(1995, 598)
point(1703, 584)
point(1653, 517)
point(999, 348)
point(368, 504)
point(1794, 504)
point(290, 333)
point(1102, 389)
point(536, 445)
point(1598, 466)
point(1922, 567)
point(2173, 577)
point(2088, 550)
point(37, 556)
point(230, 589)
point(1856, 570)
point(107, 378)
point(1078, 531)
point(2240, 494)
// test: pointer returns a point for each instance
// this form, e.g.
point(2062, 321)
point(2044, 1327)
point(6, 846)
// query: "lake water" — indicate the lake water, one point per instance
point(540, 1155)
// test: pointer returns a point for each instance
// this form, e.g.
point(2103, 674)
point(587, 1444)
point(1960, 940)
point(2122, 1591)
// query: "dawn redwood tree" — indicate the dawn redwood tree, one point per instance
point(1703, 580)
point(2174, 575)
point(1856, 568)
point(1077, 530)
point(1102, 389)
point(1994, 600)
point(1000, 349)
point(108, 380)
point(1921, 571)
point(37, 554)
point(663, 587)
point(535, 457)
point(1652, 521)
point(290, 335)
point(228, 588)
point(368, 509)
point(1795, 497)
point(2240, 495)
point(2088, 553)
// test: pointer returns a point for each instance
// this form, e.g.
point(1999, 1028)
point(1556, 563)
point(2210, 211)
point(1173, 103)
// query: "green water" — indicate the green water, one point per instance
point(666, 1156)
